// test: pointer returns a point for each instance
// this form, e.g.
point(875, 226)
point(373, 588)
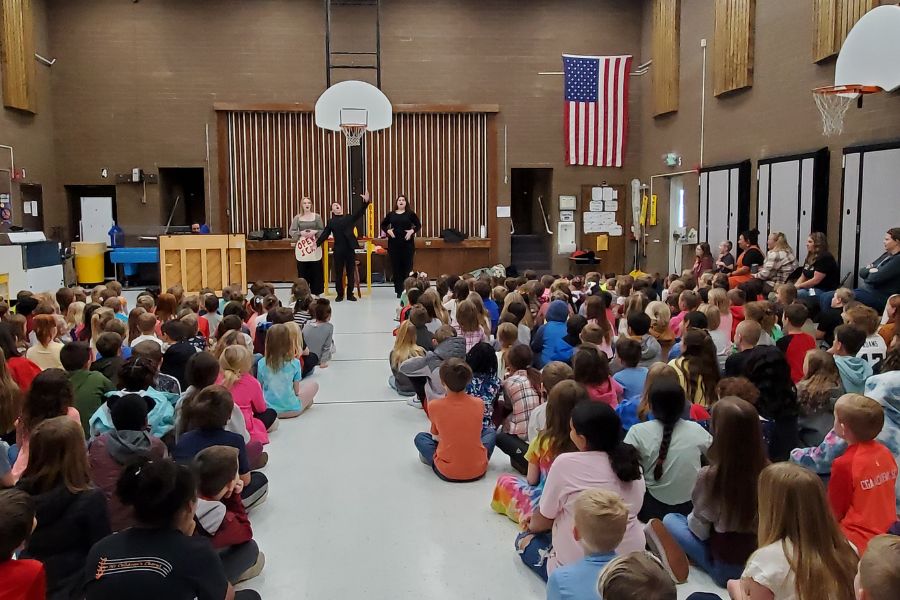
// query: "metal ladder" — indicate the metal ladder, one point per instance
point(337, 58)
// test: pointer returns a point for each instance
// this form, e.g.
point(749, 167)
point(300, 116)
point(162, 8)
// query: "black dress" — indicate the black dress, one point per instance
point(401, 250)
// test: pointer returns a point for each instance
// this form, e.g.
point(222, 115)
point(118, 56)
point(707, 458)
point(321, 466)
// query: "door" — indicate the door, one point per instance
point(96, 218)
point(529, 206)
point(32, 207)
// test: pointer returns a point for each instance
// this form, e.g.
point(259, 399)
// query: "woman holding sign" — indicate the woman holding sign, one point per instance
point(401, 226)
point(305, 228)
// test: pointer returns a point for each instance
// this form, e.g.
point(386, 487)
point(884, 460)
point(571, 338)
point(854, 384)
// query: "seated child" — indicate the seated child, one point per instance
point(795, 343)
point(874, 348)
point(521, 395)
point(548, 341)
point(484, 384)
point(175, 334)
point(737, 299)
point(147, 326)
point(423, 371)
point(638, 329)
point(205, 415)
point(109, 452)
point(591, 369)
point(878, 577)
point(280, 374)
point(817, 393)
point(632, 378)
point(418, 316)
point(319, 334)
point(848, 341)
point(861, 488)
point(637, 575)
point(88, 387)
point(405, 347)
point(108, 361)
point(600, 520)
point(746, 338)
point(552, 374)
point(457, 449)
point(136, 376)
point(832, 316)
point(23, 579)
point(221, 515)
point(592, 335)
point(166, 384)
point(247, 393)
point(210, 312)
point(507, 337)
point(191, 323)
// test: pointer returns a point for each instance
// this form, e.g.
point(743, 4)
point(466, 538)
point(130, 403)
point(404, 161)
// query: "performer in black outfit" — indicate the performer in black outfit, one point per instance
point(401, 226)
point(345, 245)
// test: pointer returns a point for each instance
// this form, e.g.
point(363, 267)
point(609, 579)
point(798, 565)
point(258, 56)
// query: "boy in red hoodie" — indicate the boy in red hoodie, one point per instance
point(738, 298)
point(861, 489)
point(221, 515)
point(795, 343)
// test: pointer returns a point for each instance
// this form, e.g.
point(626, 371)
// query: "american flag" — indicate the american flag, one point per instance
point(596, 111)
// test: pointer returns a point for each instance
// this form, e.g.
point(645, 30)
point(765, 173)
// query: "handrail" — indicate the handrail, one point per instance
point(512, 228)
point(544, 214)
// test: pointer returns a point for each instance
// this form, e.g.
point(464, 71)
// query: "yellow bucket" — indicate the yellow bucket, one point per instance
point(89, 261)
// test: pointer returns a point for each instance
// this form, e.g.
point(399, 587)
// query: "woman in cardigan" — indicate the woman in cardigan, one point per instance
point(305, 227)
point(401, 226)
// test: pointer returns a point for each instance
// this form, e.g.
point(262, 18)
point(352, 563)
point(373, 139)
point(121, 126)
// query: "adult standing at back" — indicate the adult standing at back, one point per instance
point(820, 270)
point(305, 227)
point(401, 226)
point(345, 245)
point(880, 278)
point(749, 260)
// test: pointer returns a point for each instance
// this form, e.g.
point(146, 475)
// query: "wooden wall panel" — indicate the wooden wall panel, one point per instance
point(666, 55)
point(733, 45)
point(440, 161)
point(832, 21)
point(17, 54)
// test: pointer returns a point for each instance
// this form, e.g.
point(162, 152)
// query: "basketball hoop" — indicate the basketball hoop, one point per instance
point(354, 133)
point(833, 102)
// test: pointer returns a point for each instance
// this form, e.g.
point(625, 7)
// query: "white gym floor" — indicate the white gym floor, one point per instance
point(352, 513)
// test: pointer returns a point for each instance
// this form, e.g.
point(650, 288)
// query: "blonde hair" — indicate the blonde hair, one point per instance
point(296, 335)
point(878, 572)
point(507, 335)
point(592, 334)
point(405, 346)
point(232, 337)
point(518, 297)
point(483, 317)
point(75, 314)
point(99, 320)
point(863, 317)
point(713, 316)
point(793, 508)
point(863, 416)
point(601, 517)
point(432, 303)
point(820, 378)
point(781, 242)
point(719, 298)
point(467, 316)
point(845, 295)
point(279, 347)
point(636, 575)
point(762, 312)
point(660, 315)
point(235, 362)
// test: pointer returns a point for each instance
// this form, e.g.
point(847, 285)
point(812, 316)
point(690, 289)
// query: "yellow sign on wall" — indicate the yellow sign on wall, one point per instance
point(653, 209)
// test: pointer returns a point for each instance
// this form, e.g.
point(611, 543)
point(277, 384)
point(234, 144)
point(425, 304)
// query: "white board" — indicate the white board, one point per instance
point(786, 193)
point(96, 218)
point(719, 202)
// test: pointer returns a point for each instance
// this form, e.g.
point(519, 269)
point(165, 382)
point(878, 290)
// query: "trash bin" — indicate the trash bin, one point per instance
point(89, 261)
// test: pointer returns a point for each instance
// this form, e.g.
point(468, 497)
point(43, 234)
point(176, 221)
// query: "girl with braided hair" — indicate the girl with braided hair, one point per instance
point(670, 450)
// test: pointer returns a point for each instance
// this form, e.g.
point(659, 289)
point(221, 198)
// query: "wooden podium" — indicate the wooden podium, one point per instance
point(203, 261)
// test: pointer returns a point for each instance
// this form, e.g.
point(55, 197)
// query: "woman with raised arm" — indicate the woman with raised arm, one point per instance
point(305, 227)
point(401, 226)
point(345, 244)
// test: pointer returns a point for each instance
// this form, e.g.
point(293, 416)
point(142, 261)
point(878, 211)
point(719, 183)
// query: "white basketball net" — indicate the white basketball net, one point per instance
point(354, 133)
point(833, 107)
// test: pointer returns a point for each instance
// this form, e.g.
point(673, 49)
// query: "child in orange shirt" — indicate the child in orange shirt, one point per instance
point(458, 447)
point(861, 489)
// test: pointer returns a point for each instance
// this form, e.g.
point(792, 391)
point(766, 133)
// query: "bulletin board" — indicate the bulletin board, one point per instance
point(613, 259)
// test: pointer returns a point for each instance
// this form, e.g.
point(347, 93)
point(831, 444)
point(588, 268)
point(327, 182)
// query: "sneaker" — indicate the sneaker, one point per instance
point(255, 570)
point(351, 298)
point(339, 299)
point(663, 545)
point(273, 427)
point(258, 502)
point(422, 460)
point(414, 402)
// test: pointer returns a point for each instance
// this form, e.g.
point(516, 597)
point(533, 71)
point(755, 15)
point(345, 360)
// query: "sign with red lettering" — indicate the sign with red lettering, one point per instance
point(306, 250)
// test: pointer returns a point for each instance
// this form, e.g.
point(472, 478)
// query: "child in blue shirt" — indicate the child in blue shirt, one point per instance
point(279, 372)
point(600, 520)
point(483, 289)
point(632, 378)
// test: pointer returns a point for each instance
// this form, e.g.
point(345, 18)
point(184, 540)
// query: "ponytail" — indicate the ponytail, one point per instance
point(667, 403)
point(234, 362)
point(602, 428)
point(156, 490)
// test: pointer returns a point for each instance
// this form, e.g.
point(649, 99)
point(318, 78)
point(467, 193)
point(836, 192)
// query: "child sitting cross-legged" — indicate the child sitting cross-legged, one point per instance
point(817, 393)
point(88, 387)
point(280, 374)
point(110, 452)
point(247, 392)
point(848, 341)
point(878, 577)
point(632, 378)
point(521, 395)
point(457, 448)
point(221, 515)
point(136, 376)
point(600, 521)
point(485, 384)
point(146, 325)
point(861, 488)
point(636, 575)
point(176, 334)
point(108, 360)
point(405, 347)
point(591, 369)
point(518, 497)
point(423, 371)
point(795, 343)
point(319, 333)
point(24, 578)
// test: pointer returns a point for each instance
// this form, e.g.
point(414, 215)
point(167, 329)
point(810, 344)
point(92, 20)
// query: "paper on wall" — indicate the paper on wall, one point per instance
point(608, 193)
point(611, 205)
point(596, 206)
point(504, 212)
point(27, 208)
point(615, 194)
point(595, 228)
point(602, 243)
point(615, 231)
point(597, 193)
point(34, 208)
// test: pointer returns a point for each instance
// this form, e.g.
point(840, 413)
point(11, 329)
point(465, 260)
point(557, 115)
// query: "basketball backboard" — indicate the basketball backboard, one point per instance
point(356, 103)
point(871, 53)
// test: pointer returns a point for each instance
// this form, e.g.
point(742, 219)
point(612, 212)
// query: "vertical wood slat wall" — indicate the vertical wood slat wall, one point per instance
point(440, 161)
point(832, 21)
point(17, 54)
point(666, 55)
point(274, 160)
point(733, 45)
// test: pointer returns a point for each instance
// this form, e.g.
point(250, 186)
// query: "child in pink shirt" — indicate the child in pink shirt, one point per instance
point(591, 369)
point(247, 393)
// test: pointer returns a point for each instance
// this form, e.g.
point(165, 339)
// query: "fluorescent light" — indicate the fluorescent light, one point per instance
point(681, 207)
